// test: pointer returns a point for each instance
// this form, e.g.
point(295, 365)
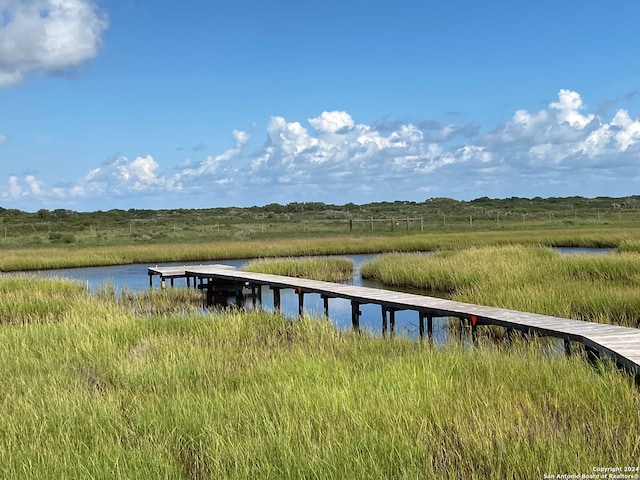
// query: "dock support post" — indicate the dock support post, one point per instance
point(421, 316)
point(509, 336)
point(325, 302)
point(253, 295)
point(150, 282)
point(256, 294)
point(300, 301)
point(171, 282)
point(567, 347)
point(430, 327)
point(392, 321)
point(355, 315)
point(239, 296)
point(209, 294)
point(474, 330)
point(276, 298)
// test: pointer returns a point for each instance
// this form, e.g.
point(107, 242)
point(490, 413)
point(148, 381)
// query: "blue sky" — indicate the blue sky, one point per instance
point(156, 104)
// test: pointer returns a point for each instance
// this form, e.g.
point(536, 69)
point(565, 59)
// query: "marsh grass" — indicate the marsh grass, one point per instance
point(166, 301)
point(330, 269)
point(20, 259)
point(600, 288)
point(105, 393)
point(26, 299)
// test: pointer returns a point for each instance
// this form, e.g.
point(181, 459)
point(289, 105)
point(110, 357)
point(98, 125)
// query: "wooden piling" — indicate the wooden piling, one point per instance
point(384, 320)
point(276, 298)
point(355, 315)
point(300, 302)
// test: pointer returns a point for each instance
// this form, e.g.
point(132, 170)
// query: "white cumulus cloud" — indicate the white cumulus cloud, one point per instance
point(120, 176)
point(568, 107)
point(332, 122)
point(47, 36)
point(30, 186)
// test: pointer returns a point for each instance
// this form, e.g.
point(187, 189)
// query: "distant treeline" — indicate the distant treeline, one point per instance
point(321, 210)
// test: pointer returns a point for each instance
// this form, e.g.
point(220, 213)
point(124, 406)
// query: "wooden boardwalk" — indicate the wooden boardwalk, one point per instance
point(622, 344)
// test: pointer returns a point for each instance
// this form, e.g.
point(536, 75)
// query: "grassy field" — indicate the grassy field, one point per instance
point(101, 389)
point(113, 384)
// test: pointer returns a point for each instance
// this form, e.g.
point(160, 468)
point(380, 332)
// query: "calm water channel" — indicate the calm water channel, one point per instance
point(135, 278)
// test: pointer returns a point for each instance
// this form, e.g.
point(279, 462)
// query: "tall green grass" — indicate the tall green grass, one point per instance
point(600, 288)
point(27, 299)
point(105, 393)
point(330, 269)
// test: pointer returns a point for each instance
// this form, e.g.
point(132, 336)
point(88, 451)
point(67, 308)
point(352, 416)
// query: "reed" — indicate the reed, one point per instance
point(106, 393)
point(329, 269)
point(533, 279)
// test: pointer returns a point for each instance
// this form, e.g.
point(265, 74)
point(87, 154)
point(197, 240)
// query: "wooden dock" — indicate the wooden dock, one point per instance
point(621, 344)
